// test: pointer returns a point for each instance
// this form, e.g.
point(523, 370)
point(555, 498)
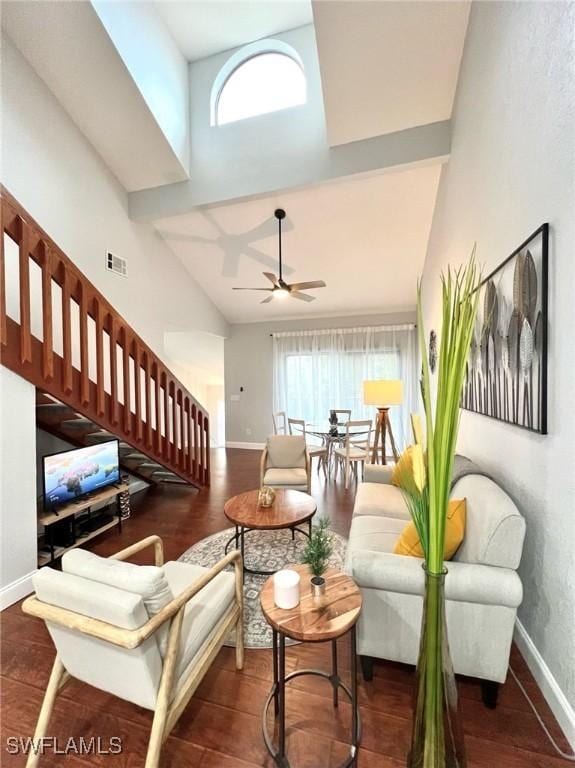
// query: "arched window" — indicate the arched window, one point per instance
point(260, 82)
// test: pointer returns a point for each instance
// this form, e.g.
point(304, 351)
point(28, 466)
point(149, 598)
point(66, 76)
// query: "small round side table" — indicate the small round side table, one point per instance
point(314, 620)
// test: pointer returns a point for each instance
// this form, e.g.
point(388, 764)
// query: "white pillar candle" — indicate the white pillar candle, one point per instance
point(286, 589)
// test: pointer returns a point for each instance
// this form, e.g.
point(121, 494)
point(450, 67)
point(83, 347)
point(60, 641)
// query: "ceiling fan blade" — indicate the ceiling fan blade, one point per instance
point(271, 277)
point(253, 289)
point(269, 298)
point(303, 286)
point(301, 296)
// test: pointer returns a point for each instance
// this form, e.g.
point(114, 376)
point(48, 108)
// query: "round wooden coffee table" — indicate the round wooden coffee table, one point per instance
point(290, 509)
point(314, 620)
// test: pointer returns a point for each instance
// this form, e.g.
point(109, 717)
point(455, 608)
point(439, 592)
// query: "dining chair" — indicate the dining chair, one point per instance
point(147, 634)
point(318, 452)
point(357, 443)
point(280, 423)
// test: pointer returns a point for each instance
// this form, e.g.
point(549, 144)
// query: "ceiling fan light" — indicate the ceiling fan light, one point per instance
point(281, 293)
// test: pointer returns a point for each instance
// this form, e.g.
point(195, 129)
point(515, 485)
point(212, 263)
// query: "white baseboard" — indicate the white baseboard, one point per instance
point(249, 446)
point(563, 711)
point(17, 590)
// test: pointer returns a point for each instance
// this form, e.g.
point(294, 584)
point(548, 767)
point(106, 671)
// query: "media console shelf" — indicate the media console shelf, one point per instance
point(71, 510)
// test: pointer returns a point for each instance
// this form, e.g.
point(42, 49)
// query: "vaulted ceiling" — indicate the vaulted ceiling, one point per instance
point(366, 237)
point(359, 200)
point(204, 27)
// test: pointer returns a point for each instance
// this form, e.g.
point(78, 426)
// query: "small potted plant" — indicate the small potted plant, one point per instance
point(316, 554)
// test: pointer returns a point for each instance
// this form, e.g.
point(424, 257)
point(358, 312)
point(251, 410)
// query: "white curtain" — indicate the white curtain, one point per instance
point(316, 371)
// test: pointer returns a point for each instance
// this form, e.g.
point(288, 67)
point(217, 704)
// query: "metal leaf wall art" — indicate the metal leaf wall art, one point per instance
point(506, 375)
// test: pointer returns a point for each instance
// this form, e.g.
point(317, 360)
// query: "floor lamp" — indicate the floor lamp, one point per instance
point(383, 393)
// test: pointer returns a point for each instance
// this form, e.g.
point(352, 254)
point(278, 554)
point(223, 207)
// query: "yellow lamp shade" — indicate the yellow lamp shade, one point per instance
point(382, 392)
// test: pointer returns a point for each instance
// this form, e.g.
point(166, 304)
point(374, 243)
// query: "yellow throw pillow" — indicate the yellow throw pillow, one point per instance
point(408, 543)
point(404, 467)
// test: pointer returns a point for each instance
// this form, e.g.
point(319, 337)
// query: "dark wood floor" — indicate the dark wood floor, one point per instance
point(221, 727)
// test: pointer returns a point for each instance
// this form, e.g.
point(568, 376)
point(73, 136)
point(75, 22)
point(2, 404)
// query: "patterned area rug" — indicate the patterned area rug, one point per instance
point(264, 550)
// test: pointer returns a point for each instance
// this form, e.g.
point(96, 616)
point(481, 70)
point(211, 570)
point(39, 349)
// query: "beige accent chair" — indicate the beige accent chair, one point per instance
point(318, 452)
point(147, 634)
point(280, 423)
point(482, 587)
point(285, 463)
point(356, 448)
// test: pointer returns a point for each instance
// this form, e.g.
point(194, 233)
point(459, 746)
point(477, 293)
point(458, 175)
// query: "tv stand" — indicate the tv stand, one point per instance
point(71, 510)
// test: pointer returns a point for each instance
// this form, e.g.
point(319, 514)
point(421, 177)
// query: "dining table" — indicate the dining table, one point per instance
point(331, 435)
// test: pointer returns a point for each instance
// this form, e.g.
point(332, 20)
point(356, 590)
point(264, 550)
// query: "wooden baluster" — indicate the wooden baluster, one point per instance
point(194, 433)
point(166, 452)
point(148, 369)
point(207, 472)
point(202, 446)
point(138, 390)
point(47, 330)
point(84, 369)
point(126, 374)
point(182, 453)
point(174, 424)
point(158, 409)
point(3, 324)
point(188, 447)
point(24, 263)
point(67, 381)
point(100, 391)
point(113, 372)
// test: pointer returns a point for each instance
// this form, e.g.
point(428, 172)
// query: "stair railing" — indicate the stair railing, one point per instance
point(61, 334)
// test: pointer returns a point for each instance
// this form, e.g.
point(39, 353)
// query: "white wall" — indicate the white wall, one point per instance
point(18, 556)
point(262, 152)
point(511, 169)
point(156, 64)
point(57, 176)
point(248, 355)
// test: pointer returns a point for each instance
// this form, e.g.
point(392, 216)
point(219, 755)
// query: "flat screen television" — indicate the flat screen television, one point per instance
point(72, 474)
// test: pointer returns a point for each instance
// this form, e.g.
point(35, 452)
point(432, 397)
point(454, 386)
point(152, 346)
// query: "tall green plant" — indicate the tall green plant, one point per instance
point(427, 494)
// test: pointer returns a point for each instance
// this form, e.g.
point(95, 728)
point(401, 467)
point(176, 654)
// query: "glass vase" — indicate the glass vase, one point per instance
point(437, 733)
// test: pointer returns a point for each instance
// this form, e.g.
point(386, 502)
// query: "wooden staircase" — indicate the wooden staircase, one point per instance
point(95, 377)
point(63, 422)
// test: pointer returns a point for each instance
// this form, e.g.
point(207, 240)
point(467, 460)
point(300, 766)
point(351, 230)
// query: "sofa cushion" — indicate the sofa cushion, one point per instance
point(375, 533)
point(148, 581)
point(380, 499)
point(132, 674)
point(285, 477)
point(285, 451)
point(204, 609)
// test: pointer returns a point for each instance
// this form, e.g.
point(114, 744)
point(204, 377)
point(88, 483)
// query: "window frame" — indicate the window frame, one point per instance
point(237, 60)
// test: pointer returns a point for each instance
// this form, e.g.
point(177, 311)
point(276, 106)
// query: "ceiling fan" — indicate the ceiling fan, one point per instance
point(281, 289)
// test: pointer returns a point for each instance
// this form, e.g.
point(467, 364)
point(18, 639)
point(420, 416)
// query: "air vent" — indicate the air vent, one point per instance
point(116, 264)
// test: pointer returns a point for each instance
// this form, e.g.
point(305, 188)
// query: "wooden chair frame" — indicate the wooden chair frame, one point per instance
point(263, 467)
point(167, 710)
point(357, 441)
point(318, 452)
point(280, 423)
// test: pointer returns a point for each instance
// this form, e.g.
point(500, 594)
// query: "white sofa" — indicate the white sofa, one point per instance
point(482, 588)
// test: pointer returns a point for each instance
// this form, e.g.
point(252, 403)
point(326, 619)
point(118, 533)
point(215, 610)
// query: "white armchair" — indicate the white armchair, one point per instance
point(146, 634)
point(285, 463)
point(482, 588)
